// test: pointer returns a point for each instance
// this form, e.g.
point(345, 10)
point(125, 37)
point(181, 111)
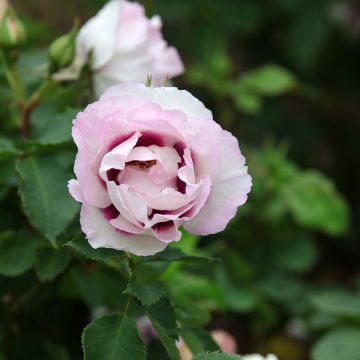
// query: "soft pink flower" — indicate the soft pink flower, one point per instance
point(3, 7)
point(125, 46)
point(149, 161)
point(225, 341)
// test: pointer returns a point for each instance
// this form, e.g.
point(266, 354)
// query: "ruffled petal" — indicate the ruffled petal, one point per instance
point(227, 193)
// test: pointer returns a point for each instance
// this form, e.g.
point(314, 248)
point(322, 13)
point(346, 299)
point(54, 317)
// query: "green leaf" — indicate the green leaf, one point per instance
point(338, 303)
point(168, 343)
point(50, 263)
point(188, 288)
point(175, 254)
point(17, 253)
point(7, 148)
point(164, 314)
point(241, 298)
point(57, 129)
point(314, 203)
point(113, 337)
point(268, 80)
point(216, 356)
point(44, 196)
point(81, 245)
point(297, 253)
point(246, 100)
point(148, 294)
point(198, 340)
point(339, 344)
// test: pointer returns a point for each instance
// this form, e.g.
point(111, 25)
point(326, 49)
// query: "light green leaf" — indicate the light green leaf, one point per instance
point(268, 80)
point(44, 195)
point(216, 356)
point(50, 263)
point(113, 337)
point(246, 100)
point(337, 303)
point(148, 294)
point(58, 128)
point(339, 344)
point(17, 253)
point(314, 203)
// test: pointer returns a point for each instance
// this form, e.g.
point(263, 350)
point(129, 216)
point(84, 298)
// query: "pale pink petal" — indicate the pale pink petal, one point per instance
point(169, 98)
point(133, 27)
point(167, 232)
point(186, 173)
point(138, 180)
point(122, 224)
point(145, 245)
point(99, 35)
point(120, 204)
point(229, 192)
point(75, 190)
point(98, 231)
point(140, 153)
point(115, 159)
point(168, 65)
point(167, 164)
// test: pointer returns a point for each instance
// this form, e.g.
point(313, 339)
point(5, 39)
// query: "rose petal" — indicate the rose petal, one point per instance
point(229, 192)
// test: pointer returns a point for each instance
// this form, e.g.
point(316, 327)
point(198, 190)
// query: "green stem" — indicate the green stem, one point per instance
point(25, 106)
point(30, 105)
point(127, 305)
point(13, 80)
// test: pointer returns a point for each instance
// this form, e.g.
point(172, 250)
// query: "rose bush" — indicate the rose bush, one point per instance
point(123, 45)
point(149, 161)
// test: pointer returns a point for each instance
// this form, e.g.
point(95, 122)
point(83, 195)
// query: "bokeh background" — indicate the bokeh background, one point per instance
point(284, 76)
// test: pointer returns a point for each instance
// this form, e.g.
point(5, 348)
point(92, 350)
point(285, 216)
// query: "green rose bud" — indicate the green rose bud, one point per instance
point(61, 51)
point(12, 31)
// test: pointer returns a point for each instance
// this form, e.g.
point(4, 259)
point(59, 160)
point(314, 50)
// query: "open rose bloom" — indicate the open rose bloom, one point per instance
point(149, 161)
point(125, 46)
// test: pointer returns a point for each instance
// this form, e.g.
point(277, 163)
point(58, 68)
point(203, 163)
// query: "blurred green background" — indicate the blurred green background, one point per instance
point(284, 76)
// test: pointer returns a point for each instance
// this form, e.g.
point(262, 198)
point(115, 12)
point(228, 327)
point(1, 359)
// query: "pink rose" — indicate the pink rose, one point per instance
point(125, 46)
point(225, 341)
point(149, 161)
point(3, 7)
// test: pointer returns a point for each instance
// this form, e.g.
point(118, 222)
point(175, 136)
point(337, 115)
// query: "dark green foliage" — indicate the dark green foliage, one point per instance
point(283, 277)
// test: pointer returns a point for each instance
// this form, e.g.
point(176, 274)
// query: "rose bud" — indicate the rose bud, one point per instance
point(61, 51)
point(149, 161)
point(12, 32)
point(122, 44)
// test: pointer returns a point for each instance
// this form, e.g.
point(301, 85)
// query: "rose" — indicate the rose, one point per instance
point(149, 161)
point(3, 7)
point(223, 339)
point(125, 46)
